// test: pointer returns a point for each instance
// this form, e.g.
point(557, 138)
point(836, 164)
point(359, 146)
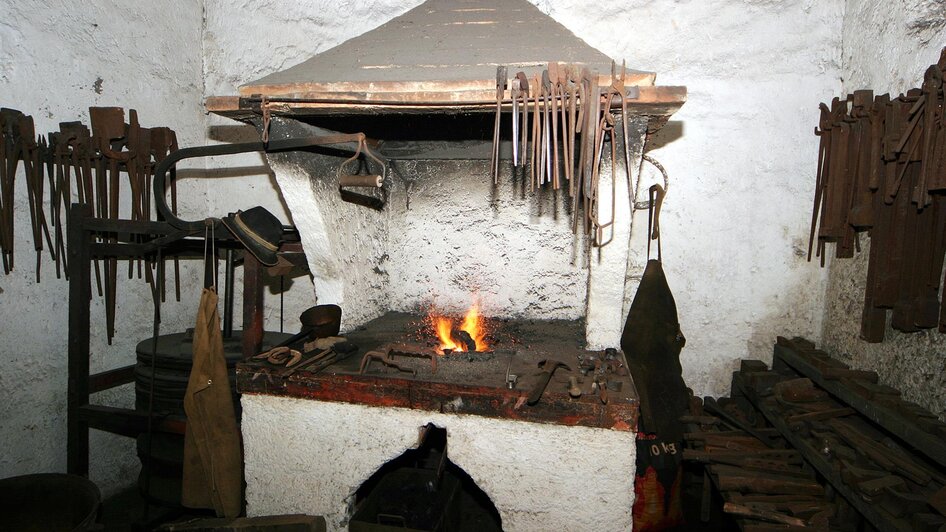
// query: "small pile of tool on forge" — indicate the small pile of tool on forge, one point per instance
point(882, 168)
point(76, 164)
point(574, 120)
point(313, 348)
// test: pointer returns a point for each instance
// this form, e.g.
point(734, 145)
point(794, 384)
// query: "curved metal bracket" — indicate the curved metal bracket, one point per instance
point(161, 180)
point(362, 147)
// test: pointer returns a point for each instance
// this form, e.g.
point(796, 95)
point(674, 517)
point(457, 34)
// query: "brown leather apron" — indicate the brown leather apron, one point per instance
point(213, 458)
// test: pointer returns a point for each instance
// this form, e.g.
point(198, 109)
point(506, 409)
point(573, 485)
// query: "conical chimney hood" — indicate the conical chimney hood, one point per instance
point(441, 56)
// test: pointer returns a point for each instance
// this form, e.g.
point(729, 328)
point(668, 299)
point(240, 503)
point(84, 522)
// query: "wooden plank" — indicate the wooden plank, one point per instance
point(126, 422)
point(889, 418)
point(743, 510)
point(757, 483)
point(269, 523)
point(111, 378)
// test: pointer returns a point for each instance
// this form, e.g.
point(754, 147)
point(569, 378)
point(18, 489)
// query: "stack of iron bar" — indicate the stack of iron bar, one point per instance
point(765, 484)
point(882, 168)
point(79, 164)
point(881, 455)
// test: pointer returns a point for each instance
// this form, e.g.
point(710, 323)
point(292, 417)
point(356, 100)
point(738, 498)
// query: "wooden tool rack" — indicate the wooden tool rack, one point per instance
point(132, 240)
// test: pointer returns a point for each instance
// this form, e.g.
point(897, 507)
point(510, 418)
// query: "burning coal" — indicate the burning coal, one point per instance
point(469, 335)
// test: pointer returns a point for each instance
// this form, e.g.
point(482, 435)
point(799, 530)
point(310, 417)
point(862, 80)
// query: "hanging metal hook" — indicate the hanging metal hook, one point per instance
point(355, 180)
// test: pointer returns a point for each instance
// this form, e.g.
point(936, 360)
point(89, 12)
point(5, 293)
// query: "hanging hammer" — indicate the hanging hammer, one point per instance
point(548, 367)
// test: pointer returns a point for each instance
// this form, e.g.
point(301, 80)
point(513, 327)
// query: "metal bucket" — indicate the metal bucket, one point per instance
point(48, 502)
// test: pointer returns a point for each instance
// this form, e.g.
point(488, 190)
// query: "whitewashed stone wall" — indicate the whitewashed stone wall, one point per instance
point(887, 50)
point(456, 239)
point(56, 60)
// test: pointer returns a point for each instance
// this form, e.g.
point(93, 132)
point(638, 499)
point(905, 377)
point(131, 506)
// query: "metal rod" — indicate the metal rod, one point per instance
point(228, 296)
point(339, 140)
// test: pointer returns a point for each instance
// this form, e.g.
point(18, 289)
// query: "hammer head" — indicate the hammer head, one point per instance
point(549, 364)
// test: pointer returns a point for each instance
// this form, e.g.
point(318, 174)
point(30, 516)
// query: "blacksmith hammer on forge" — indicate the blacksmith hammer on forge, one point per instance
point(548, 366)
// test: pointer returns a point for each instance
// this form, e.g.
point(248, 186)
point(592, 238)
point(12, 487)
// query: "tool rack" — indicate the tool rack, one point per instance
point(132, 240)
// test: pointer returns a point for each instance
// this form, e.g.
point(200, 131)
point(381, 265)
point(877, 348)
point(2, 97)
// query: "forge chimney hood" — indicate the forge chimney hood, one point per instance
point(439, 57)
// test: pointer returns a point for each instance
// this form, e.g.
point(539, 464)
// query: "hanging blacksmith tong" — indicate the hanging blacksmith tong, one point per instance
point(523, 138)
point(162, 178)
point(500, 92)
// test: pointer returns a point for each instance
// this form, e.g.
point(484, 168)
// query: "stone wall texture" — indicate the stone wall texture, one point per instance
point(56, 60)
point(887, 50)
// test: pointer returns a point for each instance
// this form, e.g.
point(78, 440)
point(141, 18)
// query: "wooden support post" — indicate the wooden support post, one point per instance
point(252, 305)
point(80, 293)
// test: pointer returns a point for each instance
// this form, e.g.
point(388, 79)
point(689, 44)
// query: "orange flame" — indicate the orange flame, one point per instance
point(473, 324)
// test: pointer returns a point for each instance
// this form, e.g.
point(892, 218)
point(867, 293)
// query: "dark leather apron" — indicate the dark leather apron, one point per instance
point(651, 342)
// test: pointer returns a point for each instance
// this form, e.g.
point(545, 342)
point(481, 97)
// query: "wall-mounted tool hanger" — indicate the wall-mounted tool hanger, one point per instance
point(344, 141)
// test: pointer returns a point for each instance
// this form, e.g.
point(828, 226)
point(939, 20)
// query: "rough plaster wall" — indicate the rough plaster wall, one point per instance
point(345, 244)
point(608, 282)
point(244, 40)
point(56, 60)
point(298, 461)
point(739, 152)
point(739, 155)
point(887, 50)
point(453, 235)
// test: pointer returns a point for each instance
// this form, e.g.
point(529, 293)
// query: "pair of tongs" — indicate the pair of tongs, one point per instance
point(616, 90)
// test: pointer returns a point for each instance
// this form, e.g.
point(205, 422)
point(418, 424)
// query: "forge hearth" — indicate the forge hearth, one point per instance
point(465, 383)
point(454, 215)
point(312, 439)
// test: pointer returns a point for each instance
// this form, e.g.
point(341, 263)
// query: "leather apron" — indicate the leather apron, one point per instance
point(213, 458)
point(652, 342)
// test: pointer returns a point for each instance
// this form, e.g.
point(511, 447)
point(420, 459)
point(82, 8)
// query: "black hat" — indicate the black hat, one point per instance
point(259, 231)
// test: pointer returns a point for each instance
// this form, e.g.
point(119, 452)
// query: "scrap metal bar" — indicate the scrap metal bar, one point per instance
point(348, 142)
point(820, 463)
point(889, 419)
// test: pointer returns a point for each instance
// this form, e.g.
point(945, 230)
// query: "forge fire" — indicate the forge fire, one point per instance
point(469, 335)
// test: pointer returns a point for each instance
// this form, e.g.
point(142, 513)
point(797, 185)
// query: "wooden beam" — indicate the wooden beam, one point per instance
point(252, 305)
point(126, 422)
point(650, 101)
point(80, 292)
point(112, 378)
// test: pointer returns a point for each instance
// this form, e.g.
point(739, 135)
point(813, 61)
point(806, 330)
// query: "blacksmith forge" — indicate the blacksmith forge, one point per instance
point(455, 224)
